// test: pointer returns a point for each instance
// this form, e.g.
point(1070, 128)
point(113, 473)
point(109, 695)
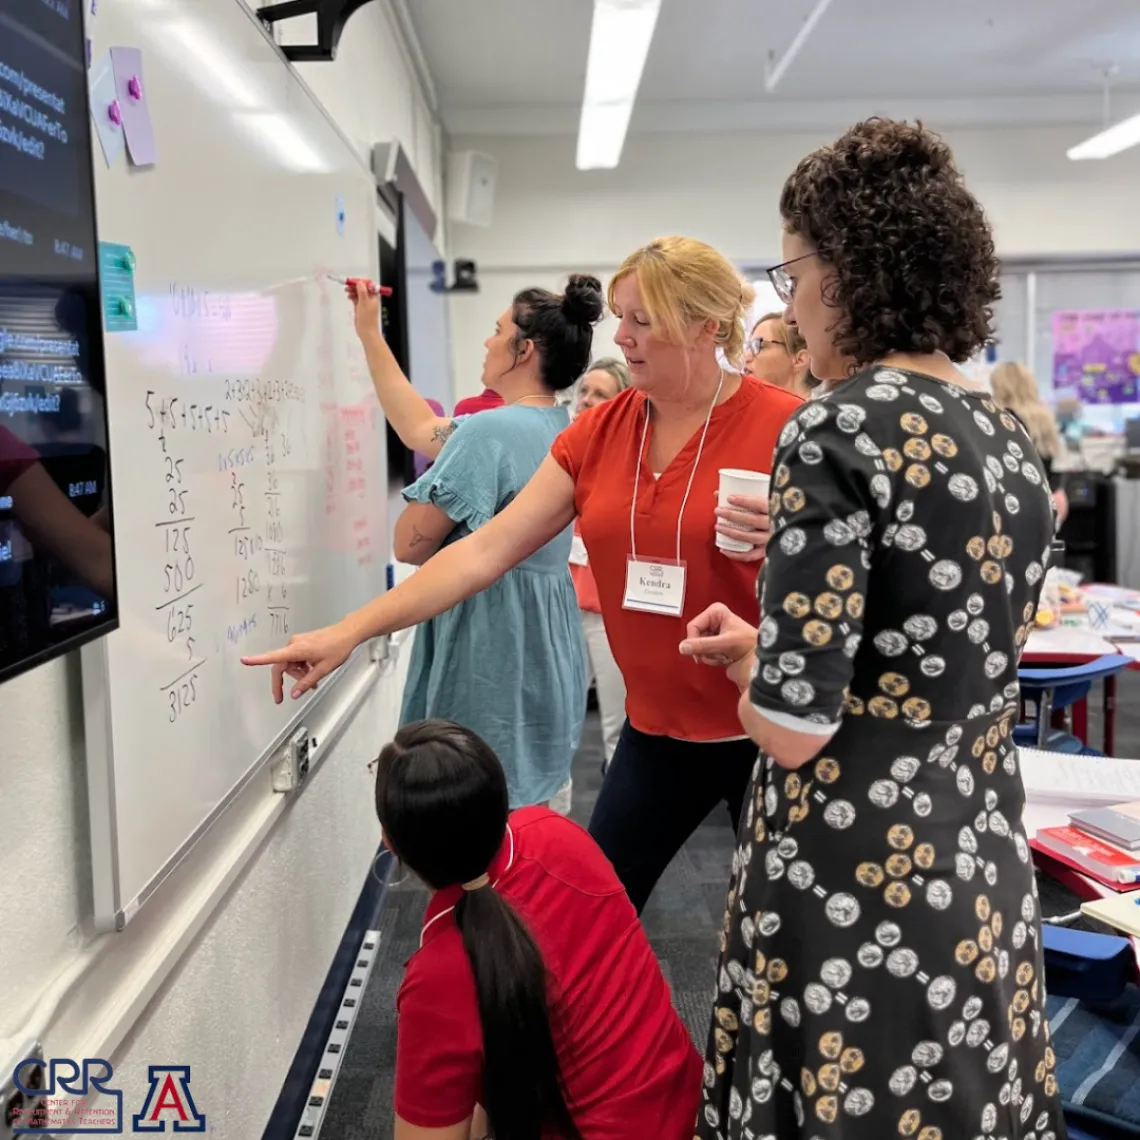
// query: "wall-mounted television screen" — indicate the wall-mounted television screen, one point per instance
point(57, 567)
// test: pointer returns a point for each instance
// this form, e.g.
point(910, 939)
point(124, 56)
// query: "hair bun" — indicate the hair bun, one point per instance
point(582, 301)
point(893, 144)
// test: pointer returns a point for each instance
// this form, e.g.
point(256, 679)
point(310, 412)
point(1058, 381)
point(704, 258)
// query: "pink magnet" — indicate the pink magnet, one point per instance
point(115, 112)
point(134, 87)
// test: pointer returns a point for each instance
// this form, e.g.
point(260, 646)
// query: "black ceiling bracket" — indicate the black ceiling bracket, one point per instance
point(331, 15)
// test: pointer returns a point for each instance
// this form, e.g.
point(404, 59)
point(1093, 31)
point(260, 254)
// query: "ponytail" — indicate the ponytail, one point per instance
point(522, 1084)
point(441, 798)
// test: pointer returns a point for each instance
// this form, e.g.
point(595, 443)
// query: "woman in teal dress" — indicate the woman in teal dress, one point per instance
point(508, 663)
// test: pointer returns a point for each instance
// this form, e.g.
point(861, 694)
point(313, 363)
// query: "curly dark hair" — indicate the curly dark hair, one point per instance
point(915, 269)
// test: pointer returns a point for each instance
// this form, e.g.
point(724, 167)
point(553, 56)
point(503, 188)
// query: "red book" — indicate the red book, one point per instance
point(1101, 861)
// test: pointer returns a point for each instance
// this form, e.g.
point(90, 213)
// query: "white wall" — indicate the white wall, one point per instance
point(236, 1005)
point(551, 219)
point(373, 90)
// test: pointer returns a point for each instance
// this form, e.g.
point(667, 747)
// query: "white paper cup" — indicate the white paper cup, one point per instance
point(735, 481)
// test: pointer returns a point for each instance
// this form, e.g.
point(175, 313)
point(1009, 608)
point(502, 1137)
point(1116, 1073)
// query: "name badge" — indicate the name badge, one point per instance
point(578, 555)
point(654, 587)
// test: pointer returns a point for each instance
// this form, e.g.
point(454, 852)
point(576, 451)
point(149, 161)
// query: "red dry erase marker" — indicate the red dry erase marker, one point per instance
point(383, 290)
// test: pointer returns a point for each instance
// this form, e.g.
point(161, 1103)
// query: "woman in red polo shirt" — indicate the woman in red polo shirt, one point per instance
point(534, 993)
point(641, 474)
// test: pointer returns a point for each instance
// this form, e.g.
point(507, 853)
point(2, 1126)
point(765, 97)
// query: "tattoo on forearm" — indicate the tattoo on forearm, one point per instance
point(443, 432)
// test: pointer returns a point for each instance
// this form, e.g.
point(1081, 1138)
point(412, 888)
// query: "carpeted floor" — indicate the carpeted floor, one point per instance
point(682, 919)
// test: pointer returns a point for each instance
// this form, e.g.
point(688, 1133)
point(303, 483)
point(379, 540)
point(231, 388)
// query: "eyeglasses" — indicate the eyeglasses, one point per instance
point(757, 345)
point(782, 281)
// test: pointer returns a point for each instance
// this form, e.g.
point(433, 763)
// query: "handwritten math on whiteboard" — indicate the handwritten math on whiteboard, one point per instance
point(246, 444)
point(221, 445)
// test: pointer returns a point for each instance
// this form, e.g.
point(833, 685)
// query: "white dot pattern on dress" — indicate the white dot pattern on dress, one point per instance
point(883, 910)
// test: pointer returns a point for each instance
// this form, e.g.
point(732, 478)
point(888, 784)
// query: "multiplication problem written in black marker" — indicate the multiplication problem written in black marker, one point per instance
point(175, 573)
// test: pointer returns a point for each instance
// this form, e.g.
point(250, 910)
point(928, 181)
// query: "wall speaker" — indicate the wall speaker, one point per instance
point(471, 178)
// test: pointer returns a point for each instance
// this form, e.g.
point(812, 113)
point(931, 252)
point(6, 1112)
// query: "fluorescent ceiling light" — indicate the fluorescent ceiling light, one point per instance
point(215, 70)
point(284, 143)
point(1108, 142)
point(619, 46)
point(777, 69)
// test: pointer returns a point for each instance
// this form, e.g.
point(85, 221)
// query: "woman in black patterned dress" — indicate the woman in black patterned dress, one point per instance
point(881, 968)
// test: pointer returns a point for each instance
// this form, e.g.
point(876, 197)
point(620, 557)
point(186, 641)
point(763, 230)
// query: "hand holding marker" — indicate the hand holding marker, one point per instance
point(365, 296)
point(352, 283)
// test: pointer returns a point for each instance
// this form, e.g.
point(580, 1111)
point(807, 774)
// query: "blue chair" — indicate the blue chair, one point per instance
point(1054, 689)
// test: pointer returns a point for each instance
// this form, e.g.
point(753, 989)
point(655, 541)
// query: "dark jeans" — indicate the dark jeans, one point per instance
point(657, 791)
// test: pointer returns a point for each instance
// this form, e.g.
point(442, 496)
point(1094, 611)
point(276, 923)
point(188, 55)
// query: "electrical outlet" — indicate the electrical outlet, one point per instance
point(17, 1109)
point(291, 768)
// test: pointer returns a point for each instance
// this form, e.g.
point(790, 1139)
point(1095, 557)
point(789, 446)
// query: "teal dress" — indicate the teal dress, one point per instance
point(510, 662)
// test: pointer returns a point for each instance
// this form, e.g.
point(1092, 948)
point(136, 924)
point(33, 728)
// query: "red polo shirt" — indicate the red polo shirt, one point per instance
point(484, 402)
point(629, 1066)
point(667, 694)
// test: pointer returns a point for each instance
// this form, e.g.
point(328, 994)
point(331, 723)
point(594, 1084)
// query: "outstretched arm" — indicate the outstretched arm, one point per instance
point(543, 508)
point(418, 427)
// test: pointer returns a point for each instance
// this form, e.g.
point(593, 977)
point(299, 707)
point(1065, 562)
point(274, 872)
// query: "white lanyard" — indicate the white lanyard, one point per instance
point(692, 474)
point(490, 887)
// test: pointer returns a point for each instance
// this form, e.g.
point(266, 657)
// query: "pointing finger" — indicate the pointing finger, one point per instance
point(283, 656)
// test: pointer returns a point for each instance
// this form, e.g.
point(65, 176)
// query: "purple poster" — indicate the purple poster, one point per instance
point(1096, 355)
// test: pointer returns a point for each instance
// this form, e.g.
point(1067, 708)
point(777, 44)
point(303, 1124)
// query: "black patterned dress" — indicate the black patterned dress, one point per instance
point(881, 973)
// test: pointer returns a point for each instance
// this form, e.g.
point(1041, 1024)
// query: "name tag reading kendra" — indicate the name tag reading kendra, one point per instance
point(654, 587)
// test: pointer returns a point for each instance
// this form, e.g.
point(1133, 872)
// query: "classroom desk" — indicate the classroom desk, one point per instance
point(1074, 645)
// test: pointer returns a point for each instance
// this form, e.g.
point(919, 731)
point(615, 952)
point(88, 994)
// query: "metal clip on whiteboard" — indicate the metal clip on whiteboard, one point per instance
point(380, 649)
point(291, 768)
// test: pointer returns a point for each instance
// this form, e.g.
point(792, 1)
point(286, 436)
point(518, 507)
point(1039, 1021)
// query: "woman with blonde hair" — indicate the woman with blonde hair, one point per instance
point(1015, 388)
point(604, 379)
point(776, 352)
point(641, 473)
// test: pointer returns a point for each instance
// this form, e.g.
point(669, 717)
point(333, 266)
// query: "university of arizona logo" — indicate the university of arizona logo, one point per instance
point(169, 1099)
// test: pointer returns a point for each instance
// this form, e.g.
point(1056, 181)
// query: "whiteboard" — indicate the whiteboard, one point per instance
point(247, 447)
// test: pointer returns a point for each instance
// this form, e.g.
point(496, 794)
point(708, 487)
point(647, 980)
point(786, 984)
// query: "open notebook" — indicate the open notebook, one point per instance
point(1073, 780)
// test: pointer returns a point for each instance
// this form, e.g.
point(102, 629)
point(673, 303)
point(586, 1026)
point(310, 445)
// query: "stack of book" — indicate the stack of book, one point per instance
point(1101, 842)
point(1100, 797)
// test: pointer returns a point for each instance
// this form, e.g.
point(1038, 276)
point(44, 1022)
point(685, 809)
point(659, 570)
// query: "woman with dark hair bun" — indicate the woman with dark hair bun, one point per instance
point(881, 970)
point(534, 1007)
point(509, 663)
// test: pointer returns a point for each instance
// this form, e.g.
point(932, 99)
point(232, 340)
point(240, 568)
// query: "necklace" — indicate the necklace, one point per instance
point(522, 398)
point(692, 473)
